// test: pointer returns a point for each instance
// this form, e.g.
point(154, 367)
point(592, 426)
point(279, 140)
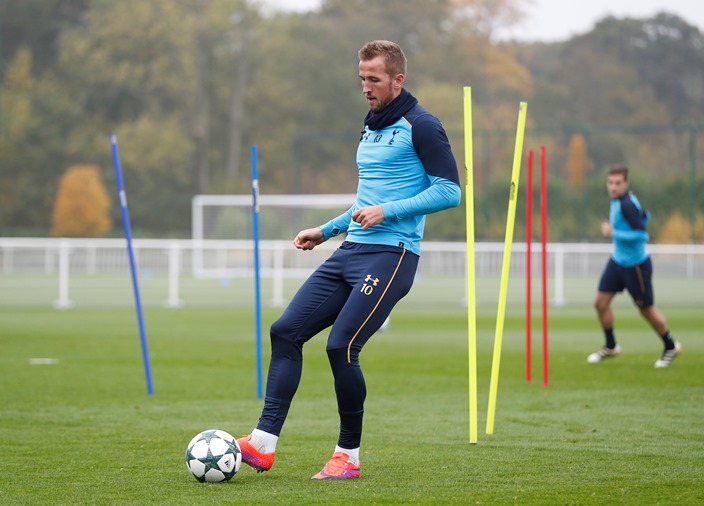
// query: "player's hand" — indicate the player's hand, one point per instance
point(368, 216)
point(309, 238)
point(607, 229)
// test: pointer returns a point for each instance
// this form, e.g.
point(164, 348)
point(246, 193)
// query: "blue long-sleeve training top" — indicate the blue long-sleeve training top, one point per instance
point(630, 236)
point(408, 168)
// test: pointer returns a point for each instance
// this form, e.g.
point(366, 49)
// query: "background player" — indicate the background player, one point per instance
point(629, 267)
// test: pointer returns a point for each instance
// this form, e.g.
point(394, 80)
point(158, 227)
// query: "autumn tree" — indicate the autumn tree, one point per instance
point(36, 121)
point(577, 161)
point(186, 86)
point(678, 230)
point(135, 64)
point(82, 206)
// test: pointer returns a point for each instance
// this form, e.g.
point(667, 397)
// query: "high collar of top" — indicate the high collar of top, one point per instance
point(392, 112)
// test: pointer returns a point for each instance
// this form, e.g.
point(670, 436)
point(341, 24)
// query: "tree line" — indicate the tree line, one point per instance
point(187, 87)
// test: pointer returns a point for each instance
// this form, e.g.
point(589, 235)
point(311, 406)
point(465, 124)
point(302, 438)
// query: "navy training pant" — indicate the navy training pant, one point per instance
point(354, 290)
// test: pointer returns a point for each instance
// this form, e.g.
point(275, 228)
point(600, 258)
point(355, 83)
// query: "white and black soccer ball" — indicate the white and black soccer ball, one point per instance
point(213, 456)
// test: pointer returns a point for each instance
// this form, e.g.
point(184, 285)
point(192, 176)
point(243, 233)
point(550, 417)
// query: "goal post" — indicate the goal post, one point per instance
point(216, 226)
point(219, 219)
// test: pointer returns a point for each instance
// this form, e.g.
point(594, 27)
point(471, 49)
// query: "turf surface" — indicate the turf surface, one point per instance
point(83, 430)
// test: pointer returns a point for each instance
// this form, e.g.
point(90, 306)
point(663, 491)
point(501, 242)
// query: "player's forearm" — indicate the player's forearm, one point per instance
point(630, 235)
point(337, 225)
point(442, 194)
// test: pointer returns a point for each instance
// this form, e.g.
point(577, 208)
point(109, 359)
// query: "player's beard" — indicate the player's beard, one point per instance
point(381, 105)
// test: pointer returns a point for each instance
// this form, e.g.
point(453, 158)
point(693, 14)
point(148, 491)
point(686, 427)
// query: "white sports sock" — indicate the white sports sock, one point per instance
point(352, 454)
point(263, 441)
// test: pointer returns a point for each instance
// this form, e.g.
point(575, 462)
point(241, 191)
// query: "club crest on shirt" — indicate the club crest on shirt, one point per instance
point(366, 134)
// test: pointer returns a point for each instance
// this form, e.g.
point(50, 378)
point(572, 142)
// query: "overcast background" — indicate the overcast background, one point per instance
point(554, 20)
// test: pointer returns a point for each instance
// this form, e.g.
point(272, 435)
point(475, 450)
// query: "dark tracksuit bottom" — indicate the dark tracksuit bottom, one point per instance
point(353, 291)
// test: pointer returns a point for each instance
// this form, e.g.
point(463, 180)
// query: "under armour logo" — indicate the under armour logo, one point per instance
point(367, 288)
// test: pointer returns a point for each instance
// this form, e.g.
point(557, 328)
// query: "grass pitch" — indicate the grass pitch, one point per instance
point(81, 429)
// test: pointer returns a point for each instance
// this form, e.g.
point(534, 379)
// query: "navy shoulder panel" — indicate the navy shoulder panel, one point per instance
point(632, 213)
point(431, 144)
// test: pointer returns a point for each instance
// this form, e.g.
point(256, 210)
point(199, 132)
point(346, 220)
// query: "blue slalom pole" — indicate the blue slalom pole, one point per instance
point(257, 284)
point(135, 284)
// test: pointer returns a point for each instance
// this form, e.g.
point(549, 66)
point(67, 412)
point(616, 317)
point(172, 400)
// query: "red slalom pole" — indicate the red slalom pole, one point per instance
point(529, 272)
point(544, 256)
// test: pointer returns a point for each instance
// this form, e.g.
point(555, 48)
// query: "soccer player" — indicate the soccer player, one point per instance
point(406, 171)
point(629, 267)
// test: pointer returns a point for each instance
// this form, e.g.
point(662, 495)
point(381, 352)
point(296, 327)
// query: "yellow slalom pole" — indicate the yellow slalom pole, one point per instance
point(471, 290)
point(508, 242)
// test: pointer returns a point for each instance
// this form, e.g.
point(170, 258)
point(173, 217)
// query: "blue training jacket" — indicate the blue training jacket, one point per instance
point(630, 236)
point(408, 168)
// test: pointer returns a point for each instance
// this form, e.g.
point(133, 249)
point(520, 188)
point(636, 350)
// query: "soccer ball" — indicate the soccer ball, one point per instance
point(213, 456)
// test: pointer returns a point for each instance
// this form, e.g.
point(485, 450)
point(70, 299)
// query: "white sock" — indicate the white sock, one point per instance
point(352, 454)
point(263, 441)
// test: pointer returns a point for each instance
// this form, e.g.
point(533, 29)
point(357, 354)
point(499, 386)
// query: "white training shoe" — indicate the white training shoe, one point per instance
point(668, 356)
point(604, 353)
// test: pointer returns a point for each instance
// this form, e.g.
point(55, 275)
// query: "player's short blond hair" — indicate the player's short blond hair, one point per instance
point(396, 62)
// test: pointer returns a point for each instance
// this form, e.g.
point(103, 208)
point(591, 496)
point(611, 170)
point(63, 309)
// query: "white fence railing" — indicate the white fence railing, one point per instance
point(36, 264)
